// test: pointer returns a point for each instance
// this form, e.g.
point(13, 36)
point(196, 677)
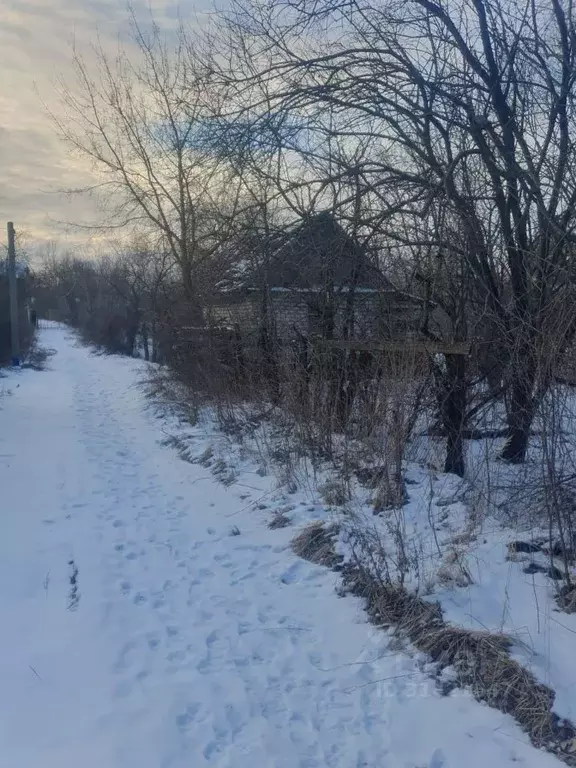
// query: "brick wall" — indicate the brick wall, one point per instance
point(375, 315)
point(290, 312)
point(244, 313)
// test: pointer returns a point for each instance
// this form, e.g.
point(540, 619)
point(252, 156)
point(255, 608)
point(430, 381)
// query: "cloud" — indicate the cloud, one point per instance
point(35, 49)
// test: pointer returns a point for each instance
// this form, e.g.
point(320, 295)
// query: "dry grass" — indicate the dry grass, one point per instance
point(181, 447)
point(171, 395)
point(481, 660)
point(37, 357)
point(316, 544)
point(279, 520)
point(566, 599)
point(334, 492)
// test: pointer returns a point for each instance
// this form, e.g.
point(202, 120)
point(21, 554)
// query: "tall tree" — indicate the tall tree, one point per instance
point(467, 105)
point(141, 119)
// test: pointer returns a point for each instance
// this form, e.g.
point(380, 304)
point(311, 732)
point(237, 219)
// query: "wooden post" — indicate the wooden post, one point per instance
point(13, 290)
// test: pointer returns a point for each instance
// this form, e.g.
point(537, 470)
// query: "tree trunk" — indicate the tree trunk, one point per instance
point(133, 324)
point(131, 340)
point(268, 346)
point(240, 368)
point(453, 409)
point(303, 370)
point(520, 417)
point(145, 342)
point(271, 372)
point(154, 340)
point(346, 369)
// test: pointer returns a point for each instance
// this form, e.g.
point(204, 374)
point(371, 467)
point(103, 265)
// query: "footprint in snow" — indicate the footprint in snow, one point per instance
point(176, 656)
point(291, 574)
point(212, 749)
point(153, 641)
point(234, 719)
point(184, 720)
point(124, 660)
point(243, 628)
point(123, 689)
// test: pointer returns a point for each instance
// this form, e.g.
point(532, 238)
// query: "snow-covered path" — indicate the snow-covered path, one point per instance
point(136, 632)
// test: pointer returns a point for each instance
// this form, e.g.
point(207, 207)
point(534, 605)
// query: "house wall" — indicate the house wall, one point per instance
point(376, 315)
point(291, 314)
point(294, 312)
point(367, 316)
point(244, 313)
point(398, 319)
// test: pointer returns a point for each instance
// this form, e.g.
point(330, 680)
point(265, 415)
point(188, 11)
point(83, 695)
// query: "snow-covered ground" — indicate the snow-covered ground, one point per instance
point(151, 620)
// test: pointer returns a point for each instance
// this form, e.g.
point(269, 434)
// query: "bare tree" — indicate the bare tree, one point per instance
point(467, 106)
point(142, 121)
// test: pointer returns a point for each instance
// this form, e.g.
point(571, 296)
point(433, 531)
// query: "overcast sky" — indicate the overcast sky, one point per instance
point(35, 39)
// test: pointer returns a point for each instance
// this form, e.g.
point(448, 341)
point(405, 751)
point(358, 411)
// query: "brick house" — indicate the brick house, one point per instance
point(318, 281)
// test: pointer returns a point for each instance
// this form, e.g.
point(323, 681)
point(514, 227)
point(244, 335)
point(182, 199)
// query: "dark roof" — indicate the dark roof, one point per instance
point(316, 252)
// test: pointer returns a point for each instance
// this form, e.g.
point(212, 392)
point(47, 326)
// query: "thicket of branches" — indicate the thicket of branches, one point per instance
point(439, 134)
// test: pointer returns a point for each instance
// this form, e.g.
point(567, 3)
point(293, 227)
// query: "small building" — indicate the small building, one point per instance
point(317, 281)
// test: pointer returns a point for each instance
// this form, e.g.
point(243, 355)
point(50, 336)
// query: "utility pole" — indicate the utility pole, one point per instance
point(13, 289)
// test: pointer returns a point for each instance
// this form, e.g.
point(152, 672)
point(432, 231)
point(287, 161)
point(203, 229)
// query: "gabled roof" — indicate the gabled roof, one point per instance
point(318, 251)
point(315, 253)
